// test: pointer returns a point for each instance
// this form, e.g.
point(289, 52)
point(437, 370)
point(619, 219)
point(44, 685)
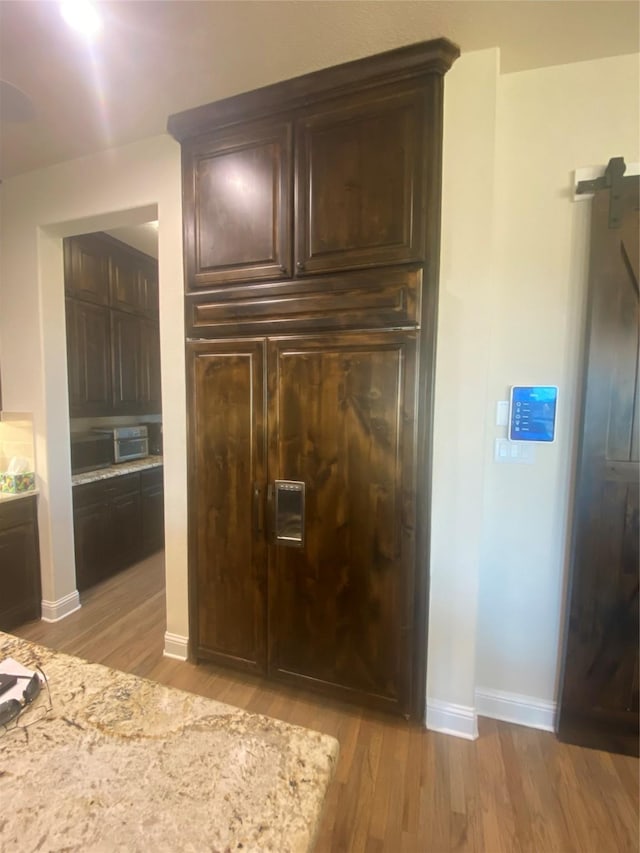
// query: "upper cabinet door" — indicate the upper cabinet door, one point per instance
point(237, 224)
point(86, 269)
point(124, 275)
point(359, 183)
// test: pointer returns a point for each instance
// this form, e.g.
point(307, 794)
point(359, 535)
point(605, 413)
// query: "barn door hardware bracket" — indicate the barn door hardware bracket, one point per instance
point(611, 180)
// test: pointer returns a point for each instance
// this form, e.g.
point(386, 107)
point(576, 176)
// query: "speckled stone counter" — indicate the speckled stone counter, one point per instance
point(122, 763)
point(6, 497)
point(116, 470)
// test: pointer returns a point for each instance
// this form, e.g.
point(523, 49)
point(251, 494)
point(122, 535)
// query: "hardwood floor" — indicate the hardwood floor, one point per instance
point(397, 789)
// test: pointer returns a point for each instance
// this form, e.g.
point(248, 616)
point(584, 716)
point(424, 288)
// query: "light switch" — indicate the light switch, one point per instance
point(502, 413)
point(515, 452)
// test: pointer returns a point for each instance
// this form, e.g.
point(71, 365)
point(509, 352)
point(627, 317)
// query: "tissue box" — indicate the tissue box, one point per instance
point(13, 484)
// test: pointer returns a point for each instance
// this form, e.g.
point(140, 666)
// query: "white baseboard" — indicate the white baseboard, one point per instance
point(53, 611)
point(452, 719)
point(175, 646)
point(515, 708)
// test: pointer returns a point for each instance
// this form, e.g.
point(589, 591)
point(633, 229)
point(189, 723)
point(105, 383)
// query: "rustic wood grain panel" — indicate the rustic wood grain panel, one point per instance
point(237, 211)
point(359, 174)
point(341, 416)
point(599, 700)
point(380, 299)
point(227, 459)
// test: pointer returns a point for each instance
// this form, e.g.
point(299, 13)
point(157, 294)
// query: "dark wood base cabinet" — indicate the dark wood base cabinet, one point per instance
point(20, 591)
point(311, 240)
point(117, 522)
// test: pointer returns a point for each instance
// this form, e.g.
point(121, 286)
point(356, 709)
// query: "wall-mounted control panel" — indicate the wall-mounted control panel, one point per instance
point(532, 413)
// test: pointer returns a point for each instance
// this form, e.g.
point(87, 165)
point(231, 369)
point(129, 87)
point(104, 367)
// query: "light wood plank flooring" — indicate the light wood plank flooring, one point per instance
point(398, 788)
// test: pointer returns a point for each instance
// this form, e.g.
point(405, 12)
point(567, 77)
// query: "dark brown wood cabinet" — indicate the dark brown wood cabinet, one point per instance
point(310, 398)
point(117, 521)
point(88, 359)
point(86, 269)
point(226, 517)
point(20, 592)
point(239, 228)
point(152, 510)
point(113, 336)
point(359, 180)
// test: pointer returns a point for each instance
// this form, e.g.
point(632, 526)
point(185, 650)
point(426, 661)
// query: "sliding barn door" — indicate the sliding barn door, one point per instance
point(341, 422)
point(599, 702)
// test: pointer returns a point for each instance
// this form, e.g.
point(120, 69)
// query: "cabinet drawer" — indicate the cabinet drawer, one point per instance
point(15, 513)
point(126, 484)
point(151, 479)
point(370, 299)
point(89, 494)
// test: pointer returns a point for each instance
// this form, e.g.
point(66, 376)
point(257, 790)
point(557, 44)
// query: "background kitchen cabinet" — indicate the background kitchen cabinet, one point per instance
point(92, 533)
point(152, 509)
point(20, 593)
point(113, 348)
point(117, 521)
point(86, 268)
point(88, 359)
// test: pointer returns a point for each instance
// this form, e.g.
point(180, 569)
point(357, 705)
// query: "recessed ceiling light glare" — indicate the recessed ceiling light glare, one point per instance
point(82, 16)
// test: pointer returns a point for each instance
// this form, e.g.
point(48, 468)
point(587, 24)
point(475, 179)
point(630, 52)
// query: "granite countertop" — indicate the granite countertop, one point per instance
point(5, 497)
point(122, 763)
point(116, 470)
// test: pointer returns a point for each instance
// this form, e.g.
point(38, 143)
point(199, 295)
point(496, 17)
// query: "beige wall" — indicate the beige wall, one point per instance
point(513, 263)
point(127, 186)
point(550, 122)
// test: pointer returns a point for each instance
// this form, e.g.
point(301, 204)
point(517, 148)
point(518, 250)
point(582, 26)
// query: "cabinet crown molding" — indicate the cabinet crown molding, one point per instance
point(403, 63)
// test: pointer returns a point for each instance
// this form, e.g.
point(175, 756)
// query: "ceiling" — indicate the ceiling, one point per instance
point(157, 57)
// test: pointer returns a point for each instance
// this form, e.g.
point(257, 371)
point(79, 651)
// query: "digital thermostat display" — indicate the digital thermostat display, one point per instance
point(533, 413)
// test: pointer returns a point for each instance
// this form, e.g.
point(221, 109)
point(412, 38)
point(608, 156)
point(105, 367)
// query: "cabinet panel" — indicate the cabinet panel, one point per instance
point(237, 205)
point(88, 359)
point(152, 496)
point(124, 281)
point(359, 176)
point(126, 362)
point(341, 420)
point(108, 527)
point(227, 460)
point(148, 293)
point(93, 541)
point(20, 594)
point(86, 269)
point(150, 393)
point(363, 299)
point(126, 524)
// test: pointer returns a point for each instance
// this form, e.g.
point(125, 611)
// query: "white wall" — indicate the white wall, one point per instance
point(466, 283)
point(120, 187)
point(550, 122)
point(513, 264)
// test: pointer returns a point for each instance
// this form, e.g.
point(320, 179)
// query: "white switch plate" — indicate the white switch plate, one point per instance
point(514, 452)
point(502, 413)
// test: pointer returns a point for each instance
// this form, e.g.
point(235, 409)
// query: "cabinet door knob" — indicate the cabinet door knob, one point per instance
point(300, 265)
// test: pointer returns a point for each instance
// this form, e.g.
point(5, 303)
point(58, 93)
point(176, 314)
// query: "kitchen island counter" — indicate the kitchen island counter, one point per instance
point(122, 763)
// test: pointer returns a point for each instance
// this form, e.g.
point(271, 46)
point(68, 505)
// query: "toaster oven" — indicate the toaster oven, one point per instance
point(129, 442)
